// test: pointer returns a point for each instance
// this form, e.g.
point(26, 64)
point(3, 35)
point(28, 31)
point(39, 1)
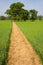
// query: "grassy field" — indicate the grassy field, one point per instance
point(5, 29)
point(32, 30)
point(34, 33)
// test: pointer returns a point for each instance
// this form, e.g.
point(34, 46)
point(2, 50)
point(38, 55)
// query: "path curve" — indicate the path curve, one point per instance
point(20, 51)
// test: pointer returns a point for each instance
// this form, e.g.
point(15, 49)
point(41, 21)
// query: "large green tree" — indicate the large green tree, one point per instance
point(17, 12)
point(33, 14)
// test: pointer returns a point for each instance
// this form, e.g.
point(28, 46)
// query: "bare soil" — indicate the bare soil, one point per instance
point(20, 50)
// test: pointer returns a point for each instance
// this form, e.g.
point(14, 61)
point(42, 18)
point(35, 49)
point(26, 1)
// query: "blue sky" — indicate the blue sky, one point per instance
point(29, 4)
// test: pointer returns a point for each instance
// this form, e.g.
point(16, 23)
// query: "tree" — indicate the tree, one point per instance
point(24, 14)
point(2, 17)
point(14, 10)
point(33, 14)
point(17, 12)
point(40, 17)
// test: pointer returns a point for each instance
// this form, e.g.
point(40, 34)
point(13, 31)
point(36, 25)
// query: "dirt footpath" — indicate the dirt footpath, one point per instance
point(20, 51)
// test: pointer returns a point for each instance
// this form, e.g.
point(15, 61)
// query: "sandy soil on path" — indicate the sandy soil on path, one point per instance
point(20, 50)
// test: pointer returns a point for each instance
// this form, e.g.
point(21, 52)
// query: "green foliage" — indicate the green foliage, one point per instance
point(16, 11)
point(33, 14)
point(17, 6)
point(5, 29)
point(2, 17)
point(8, 12)
point(34, 33)
point(40, 17)
point(24, 14)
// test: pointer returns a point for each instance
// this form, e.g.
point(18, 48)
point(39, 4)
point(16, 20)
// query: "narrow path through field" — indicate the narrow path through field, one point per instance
point(20, 51)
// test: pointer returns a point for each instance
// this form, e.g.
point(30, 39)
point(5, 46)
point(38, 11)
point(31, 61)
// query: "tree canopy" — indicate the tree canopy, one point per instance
point(33, 14)
point(17, 12)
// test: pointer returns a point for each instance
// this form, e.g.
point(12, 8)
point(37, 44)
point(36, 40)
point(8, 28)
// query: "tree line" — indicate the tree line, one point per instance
point(16, 11)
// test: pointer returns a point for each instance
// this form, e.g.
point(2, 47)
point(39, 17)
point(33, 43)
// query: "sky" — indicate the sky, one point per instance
point(29, 4)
